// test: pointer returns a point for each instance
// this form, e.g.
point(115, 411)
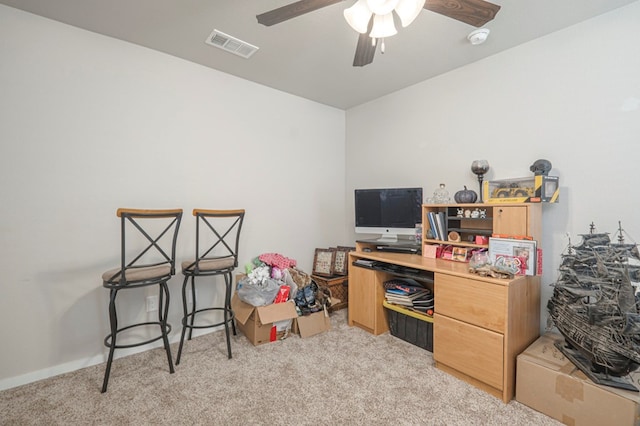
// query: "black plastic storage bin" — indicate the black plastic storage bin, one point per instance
point(410, 326)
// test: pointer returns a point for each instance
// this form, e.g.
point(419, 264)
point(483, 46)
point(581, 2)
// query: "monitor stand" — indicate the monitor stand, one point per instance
point(401, 245)
point(388, 238)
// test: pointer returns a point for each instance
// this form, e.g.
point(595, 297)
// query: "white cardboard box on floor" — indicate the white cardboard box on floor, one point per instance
point(550, 383)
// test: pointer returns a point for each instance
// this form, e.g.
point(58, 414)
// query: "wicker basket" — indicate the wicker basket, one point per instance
point(338, 285)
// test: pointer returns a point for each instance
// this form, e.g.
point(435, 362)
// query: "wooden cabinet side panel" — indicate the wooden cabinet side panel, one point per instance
point(471, 350)
point(475, 302)
point(362, 302)
point(366, 294)
point(523, 326)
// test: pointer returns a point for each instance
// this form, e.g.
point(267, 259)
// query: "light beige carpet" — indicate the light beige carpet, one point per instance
point(345, 376)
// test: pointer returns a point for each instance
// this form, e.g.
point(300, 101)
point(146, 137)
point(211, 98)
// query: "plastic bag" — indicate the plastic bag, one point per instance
point(286, 276)
point(258, 293)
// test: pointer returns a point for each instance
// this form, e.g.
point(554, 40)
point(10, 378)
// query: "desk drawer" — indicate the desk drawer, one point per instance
point(476, 302)
point(471, 350)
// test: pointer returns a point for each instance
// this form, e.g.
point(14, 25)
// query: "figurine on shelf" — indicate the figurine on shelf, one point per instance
point(459, 213)
point(483, 213)
point(541, 167)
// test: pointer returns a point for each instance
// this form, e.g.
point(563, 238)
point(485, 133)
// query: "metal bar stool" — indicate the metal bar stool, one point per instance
point(153, 264)
point(217, 241)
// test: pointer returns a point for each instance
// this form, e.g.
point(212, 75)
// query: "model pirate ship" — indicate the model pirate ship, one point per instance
point(595, 307)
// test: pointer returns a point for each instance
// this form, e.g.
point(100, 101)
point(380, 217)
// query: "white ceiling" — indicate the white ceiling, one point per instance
point(312, 55)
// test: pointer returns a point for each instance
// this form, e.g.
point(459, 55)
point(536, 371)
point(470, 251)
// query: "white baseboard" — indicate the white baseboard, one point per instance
point(67, 367)
point(45, 373)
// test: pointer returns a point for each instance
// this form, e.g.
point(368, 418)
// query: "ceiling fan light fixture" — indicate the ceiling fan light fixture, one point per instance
point(383, 26)
point(408, 10)
point(358, 16)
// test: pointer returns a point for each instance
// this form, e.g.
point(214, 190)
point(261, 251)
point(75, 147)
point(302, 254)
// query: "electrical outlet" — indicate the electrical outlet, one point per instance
point(152, 303)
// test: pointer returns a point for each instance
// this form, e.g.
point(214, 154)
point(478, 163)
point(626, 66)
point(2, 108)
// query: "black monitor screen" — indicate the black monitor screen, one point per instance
point(388, 208)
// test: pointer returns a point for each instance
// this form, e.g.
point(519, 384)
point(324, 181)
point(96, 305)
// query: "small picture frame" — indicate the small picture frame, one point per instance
point(341, 261)
point(459, 254)
point(323, 262)
point(523, 249)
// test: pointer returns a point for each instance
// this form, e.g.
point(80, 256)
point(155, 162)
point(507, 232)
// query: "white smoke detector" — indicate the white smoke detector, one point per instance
point(478, 36)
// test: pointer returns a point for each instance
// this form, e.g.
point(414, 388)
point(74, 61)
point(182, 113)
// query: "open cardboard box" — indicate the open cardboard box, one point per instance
point(310, 325)
point(315, 323)
point(549, 382)
point(256, 322)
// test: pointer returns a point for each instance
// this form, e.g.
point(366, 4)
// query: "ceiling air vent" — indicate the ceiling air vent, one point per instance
point(231, 44)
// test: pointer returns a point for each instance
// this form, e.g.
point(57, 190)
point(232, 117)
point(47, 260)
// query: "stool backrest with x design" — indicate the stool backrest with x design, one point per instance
point(217, 241)
point(148, 254)
point(147, 258)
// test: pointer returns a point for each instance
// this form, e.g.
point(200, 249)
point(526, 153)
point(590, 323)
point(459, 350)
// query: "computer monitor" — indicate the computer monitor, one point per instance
point(389, 212)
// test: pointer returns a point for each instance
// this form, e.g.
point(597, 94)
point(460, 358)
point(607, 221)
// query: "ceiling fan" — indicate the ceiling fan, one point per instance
point(472, 12)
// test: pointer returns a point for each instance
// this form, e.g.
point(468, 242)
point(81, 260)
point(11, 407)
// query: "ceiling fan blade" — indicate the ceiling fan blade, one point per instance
point(364, 50)
point(292, 10)
point(472, 12)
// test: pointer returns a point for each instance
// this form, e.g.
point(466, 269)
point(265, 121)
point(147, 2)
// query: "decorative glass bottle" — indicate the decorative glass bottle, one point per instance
point(441, 195)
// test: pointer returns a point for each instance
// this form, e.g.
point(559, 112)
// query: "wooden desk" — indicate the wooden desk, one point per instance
point(480, 324)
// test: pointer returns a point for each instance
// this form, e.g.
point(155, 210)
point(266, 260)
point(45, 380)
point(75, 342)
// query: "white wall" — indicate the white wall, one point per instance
point(89, 124)
point(572, 97)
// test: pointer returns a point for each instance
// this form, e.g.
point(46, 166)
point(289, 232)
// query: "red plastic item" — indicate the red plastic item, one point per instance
point(283, 294)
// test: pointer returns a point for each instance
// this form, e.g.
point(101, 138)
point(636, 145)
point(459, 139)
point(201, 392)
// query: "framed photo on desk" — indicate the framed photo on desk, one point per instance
point(522, 251)
point(459, 254)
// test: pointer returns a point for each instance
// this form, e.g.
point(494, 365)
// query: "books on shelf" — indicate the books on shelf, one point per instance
point(408, 293)
point(442, 226)
point(403, 285)
point(438, 225)
point(432, 225)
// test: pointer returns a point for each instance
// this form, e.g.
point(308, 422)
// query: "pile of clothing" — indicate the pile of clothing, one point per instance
point(274, 278)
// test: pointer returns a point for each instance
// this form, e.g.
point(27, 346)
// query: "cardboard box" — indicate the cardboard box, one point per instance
point(310, 325)
point(257, 322)
point(550, 383)
point(534, 189)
